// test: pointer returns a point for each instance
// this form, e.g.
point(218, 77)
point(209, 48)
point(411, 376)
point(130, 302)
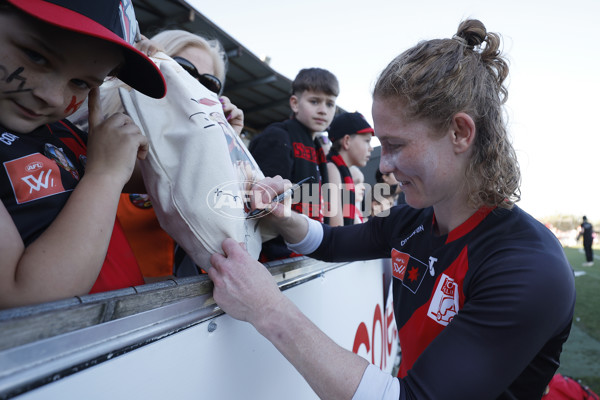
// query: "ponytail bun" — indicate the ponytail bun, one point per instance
point(487, 44)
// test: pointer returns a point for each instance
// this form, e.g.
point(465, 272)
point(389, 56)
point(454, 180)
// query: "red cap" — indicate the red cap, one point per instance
point(110, 20)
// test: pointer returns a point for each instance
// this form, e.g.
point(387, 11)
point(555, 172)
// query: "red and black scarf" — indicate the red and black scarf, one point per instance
point(347, 190)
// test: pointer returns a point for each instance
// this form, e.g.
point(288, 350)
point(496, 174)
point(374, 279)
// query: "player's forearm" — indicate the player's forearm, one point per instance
point(331, 371)
point(293, 229)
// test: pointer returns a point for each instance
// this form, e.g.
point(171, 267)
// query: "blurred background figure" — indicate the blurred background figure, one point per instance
point(325, 142)
point(359, 188)
point(350, 135)
point(587, 231)
point(395, 188)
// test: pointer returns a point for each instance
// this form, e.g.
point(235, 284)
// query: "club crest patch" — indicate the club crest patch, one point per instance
point(33, 177)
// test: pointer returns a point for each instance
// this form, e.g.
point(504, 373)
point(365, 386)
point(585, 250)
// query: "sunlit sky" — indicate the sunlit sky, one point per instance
point(554, 84)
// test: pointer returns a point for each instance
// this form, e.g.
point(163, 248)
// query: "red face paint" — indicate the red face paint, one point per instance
point(74, 106)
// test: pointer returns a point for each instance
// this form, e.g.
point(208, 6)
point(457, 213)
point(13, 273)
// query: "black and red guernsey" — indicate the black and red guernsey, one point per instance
point(482, 312)
point(39, 172)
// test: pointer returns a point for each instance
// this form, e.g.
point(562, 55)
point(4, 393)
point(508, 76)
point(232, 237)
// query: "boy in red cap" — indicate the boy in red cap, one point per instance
point(351, 135)
point(59, 187)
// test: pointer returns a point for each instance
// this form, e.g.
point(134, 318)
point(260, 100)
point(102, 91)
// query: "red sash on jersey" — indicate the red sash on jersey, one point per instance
point(120, 269)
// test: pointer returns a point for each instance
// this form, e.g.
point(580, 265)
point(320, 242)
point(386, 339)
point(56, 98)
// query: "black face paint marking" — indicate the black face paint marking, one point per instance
point(14, 76)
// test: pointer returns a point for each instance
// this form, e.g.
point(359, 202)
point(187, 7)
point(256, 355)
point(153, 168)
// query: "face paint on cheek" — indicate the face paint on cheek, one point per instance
point(73, 106)
point(14, 76)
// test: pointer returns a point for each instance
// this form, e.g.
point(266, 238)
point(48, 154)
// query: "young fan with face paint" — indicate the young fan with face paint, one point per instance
point(60, 186)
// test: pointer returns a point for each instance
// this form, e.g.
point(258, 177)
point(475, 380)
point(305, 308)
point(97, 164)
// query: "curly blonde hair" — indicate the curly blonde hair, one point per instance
point(437, 79)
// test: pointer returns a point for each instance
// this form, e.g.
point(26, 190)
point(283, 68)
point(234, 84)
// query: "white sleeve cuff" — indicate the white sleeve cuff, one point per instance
point(376, 384)
point(311, 241)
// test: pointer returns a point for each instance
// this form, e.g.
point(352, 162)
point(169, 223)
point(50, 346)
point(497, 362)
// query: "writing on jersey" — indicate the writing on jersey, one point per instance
point(8, 138)
point(305, 152)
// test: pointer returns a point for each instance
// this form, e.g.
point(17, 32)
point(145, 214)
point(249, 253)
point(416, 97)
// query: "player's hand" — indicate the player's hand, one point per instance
point(243, 287)
point(262, 194)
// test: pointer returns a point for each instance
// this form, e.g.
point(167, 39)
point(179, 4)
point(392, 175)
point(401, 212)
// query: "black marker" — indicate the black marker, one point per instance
point(278, 199)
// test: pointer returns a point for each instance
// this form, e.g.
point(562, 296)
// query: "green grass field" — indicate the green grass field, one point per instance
point(580, 358)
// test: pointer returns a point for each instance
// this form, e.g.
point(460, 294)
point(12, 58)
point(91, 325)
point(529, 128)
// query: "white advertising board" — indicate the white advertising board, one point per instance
point(223, 359)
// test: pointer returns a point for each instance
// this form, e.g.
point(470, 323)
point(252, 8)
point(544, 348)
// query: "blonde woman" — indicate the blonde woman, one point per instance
point(206, 61)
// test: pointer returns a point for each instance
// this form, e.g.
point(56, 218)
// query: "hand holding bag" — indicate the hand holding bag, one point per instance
point(197, 171)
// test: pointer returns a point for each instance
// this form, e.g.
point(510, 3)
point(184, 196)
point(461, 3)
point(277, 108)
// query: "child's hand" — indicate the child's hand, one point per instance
point(113, 143)
point(234, 115)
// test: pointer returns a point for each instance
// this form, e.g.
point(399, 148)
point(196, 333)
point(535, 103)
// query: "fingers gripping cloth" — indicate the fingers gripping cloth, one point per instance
point(198, 170)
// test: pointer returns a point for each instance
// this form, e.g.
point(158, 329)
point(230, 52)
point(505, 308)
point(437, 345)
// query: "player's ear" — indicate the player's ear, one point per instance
point(463, 132)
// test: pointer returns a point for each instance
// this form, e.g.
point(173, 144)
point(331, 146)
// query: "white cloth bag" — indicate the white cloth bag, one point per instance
point(197, 167)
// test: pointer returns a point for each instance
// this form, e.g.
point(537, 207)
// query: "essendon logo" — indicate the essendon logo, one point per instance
point(448, 287)
point(445, 302)
point(33, 177)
